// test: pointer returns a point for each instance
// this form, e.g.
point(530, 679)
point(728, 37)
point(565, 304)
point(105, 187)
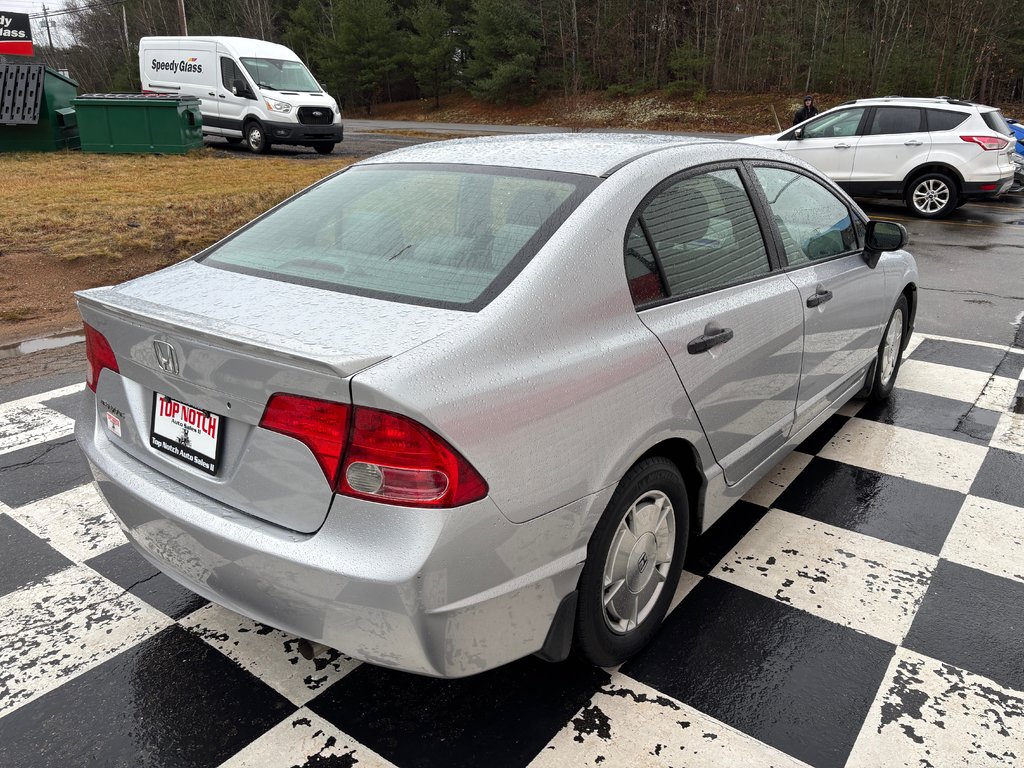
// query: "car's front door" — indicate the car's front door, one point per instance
point(829, 142)
point(701, 276)
point(232, 105)
point(842, 298)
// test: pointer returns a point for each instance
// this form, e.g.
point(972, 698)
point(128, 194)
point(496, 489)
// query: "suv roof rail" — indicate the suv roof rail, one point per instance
point(958, 102)
point(851, 101)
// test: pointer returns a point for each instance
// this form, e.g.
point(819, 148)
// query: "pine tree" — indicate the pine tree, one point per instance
point(504, 47)
point(432, 47)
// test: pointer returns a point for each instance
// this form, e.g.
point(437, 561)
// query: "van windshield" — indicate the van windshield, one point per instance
point(434, 235)
point(280, 75)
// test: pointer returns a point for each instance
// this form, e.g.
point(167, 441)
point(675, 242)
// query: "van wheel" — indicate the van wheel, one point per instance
point(633, 563)
point(932, 196)
point(324, 149)
point(233, 139)
point(256, 139)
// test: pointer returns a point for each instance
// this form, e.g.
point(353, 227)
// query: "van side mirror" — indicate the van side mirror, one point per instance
point(239, 88)
point(882, 236)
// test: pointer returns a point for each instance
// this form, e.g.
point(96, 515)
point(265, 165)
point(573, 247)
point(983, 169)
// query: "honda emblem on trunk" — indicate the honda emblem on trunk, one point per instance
point(165, 356)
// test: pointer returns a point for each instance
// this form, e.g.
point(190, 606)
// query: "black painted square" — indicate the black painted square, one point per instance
point(1011, 366)
point(707, 550)
point(42, 470)
point(790, 679)
point(959, 355)
point(504, 717)
point(131, 571)
point(1001, 477)
point(937, 415)
point(973, 620)
point(24, 557)
point(69, 405)
point(902, 511)
point(820, 437)
point(172, 701)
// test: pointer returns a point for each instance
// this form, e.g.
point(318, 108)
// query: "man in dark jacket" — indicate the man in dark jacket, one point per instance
point(807, 111)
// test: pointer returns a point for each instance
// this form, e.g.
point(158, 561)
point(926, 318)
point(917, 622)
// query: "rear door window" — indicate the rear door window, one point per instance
point(445, 236)
point(944, 119)
point(890, 120)
point(705, 234)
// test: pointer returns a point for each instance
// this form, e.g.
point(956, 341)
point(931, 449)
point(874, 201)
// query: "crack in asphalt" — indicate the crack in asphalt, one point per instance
point(976, 293)
point(50, 446)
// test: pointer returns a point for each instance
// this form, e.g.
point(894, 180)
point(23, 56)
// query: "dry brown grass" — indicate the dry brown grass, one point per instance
point(70, 221)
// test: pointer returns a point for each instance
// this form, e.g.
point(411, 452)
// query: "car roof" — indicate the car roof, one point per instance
point(238, 46)
point(935, 101)
point(592, 154)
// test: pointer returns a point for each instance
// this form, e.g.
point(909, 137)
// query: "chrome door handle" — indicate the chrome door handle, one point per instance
point(912, 143)
point(820, 297)
point(211, 93)
point(842, 145)
point(713, 336)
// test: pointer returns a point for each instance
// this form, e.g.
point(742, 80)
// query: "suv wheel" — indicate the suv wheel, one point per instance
point(932, 196)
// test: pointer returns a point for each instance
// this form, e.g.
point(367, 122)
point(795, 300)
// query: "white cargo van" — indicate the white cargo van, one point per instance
point(250, 90)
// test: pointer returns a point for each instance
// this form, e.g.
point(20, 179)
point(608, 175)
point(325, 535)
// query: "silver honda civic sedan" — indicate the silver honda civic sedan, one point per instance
point(469, 401)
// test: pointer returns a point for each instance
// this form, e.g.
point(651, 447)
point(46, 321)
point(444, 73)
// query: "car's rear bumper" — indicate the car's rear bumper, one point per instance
point(438, 592)
point(976, 190)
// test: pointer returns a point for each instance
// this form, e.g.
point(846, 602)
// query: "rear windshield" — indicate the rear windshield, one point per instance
point(442, 236)
point(995, 121)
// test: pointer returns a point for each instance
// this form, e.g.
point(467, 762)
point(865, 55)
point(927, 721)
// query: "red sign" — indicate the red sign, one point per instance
point(15, 34)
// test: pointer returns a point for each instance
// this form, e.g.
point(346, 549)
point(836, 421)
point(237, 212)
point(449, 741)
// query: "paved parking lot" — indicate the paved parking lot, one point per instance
point(862, 606)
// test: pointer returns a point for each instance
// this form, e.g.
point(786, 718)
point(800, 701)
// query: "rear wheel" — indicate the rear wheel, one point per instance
point(932, 196)
point(633, 563)
point(233, 139)
point(256, 139)
point(890, 351)
point(324, 149)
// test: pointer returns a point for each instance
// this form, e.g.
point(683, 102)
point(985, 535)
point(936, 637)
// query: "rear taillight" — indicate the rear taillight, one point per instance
point(377, 455)
point(989, 143)
point(321, 424)
point(99, 354)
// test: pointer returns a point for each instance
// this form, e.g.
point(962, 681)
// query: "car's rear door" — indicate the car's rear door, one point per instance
point(704, 283)
point(841, 297)
point(895, 141)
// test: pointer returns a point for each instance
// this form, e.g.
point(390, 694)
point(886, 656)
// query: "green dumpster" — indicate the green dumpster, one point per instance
point(35, 109)
point(139, 123)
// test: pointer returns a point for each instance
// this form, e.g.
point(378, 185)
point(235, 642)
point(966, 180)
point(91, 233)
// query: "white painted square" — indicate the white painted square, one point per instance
point(931, 459)
point(1009, 433)
point(942, 380)
point(988, 535)
point(914, 343)
point(28, 424)
point(771, 486)
point(627, 723)
point(77, 523)
point(998, 394)
point(931, 713)
point(305, 738)
point(852, 408)
point(842, 576)
point(268, 653)
point(68, 623)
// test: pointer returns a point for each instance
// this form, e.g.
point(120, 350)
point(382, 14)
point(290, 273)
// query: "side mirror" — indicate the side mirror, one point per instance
point(798, 134)
point(239, 88)
point(882, 236)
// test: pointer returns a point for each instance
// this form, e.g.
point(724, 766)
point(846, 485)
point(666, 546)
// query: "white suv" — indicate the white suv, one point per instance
point(935, 154)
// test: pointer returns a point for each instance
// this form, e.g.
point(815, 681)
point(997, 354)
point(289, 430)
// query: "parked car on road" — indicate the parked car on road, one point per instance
point(469, 401)
point(934, 154)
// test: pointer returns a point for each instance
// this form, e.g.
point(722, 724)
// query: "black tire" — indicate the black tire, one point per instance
point(932, 195)
point(324, 149)
point(233, 139)
point(883, 381)
point(594, 637)
point(256, 138)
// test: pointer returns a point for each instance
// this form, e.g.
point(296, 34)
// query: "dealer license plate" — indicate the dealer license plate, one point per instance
point(186, 432)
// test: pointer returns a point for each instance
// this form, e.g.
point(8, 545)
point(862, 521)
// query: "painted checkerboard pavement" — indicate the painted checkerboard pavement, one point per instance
point(863, 606)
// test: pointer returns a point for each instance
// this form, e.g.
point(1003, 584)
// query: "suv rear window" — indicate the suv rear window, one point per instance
point(944, 119)
point(995, 121)
point(436, 235)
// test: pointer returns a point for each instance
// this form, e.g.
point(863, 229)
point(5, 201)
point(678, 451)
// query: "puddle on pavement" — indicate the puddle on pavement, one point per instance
point(38, 345)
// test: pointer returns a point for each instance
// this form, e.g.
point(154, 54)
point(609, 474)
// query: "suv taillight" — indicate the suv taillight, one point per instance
point(376, 455)
point(989, 143)
point(99, 354)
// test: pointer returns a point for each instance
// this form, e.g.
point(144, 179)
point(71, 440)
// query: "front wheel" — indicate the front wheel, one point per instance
point(633, 563)
point(324, 149)
point(890, 351)
point(932, 196)
point(256, 139)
